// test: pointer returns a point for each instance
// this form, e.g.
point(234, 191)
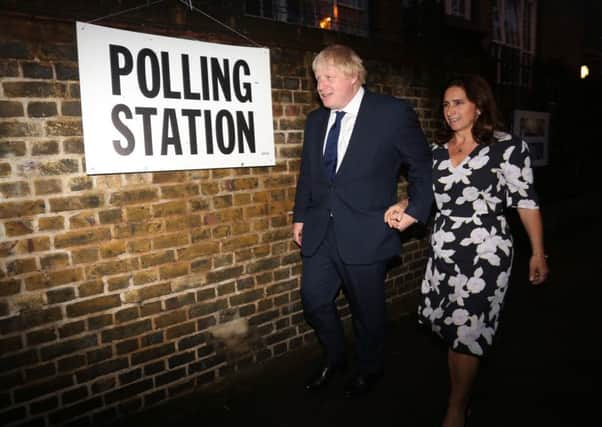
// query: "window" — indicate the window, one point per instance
point(358, 4)
point(459, 8)
point(348, 16)
point(513, 47)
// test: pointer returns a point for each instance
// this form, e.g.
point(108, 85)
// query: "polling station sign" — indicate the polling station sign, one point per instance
point(156, 103)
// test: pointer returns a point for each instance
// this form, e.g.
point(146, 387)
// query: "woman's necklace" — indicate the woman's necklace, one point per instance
point(459, 146)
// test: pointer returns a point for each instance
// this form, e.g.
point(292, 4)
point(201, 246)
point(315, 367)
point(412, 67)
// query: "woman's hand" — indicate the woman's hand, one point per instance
point(538, 269)
point(395, 212)
point(395, 216)
point(538, 265)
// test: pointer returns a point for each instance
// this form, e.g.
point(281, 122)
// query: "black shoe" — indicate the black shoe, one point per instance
point(467, 413)
point(322, 377)
point(360, 384)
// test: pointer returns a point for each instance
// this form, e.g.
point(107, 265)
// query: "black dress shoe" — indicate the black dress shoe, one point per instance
point(322, 377)
point(360, 384)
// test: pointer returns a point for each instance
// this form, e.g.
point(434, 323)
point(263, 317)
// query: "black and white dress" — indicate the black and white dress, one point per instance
point(471, 247)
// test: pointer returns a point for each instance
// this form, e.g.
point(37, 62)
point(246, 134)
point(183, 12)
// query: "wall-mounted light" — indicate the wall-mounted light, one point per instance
point(325, 22)
point(584, 71)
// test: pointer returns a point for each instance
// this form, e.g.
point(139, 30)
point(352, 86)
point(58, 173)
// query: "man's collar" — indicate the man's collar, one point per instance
point(354, 105)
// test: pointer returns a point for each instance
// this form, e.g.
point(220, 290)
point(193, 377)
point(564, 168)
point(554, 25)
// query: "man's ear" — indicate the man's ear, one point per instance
point(355, 78)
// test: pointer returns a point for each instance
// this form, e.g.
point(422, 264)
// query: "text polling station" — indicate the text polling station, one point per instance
point(156, 103)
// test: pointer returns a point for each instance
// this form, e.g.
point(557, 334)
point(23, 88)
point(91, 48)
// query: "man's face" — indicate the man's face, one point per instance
point(335, 88)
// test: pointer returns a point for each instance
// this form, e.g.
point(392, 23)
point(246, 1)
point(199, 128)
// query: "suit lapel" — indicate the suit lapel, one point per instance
point(320, 135)
point(359, 133)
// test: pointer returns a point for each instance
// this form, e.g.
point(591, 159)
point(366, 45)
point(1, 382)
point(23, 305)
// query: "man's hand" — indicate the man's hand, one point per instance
point(298, 232)
point(394, 213)
point(395, 216)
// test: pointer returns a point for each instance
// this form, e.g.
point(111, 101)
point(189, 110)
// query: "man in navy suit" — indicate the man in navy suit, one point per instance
point(353, 151)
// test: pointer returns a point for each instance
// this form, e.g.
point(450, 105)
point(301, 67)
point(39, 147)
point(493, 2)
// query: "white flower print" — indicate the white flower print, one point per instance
point(433, 314)
point(480, 207)
point(507, 153)
point(432, 279)
point(524, 147)
point(502, 136)
point(482, 202)
point(425, 286)
point(469, 333)
point(501, 179)
point(441, 199)
point(470, 234)
point(514, 181)
point(487, 245)
point(469, 194)
point(480, 160)
point(498, 297)
point(475, 284)
point(491, 199)
point(459, 317)
point(439, 239)
point(527, 171)
point(514, 174)
point(477, 235)
point(458, 221)
point(458, 283)
point(487, 250)
point(458, 174)
point(463, 286)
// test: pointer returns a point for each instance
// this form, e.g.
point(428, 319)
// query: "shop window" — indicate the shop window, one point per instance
point(458, 8)
point(513, 47)
point(347, 16)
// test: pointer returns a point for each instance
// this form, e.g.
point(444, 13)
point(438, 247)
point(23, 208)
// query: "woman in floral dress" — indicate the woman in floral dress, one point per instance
point(478, 172)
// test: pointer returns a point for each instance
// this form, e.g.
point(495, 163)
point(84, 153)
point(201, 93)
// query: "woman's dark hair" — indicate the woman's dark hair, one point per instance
point(479, 92)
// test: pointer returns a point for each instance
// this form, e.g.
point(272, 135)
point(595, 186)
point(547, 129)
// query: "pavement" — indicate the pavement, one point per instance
point(542, 370)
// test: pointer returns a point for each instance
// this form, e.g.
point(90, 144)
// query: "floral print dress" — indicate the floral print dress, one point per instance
point(470, 256)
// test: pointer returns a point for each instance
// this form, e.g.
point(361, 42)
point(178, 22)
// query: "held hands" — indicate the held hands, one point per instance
point(538, 269)
point(395, 216)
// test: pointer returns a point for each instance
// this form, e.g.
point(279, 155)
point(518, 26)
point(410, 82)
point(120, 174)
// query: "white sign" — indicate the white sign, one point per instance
point(154, 103)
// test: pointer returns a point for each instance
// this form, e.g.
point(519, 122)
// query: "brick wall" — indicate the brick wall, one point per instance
point(120, 291)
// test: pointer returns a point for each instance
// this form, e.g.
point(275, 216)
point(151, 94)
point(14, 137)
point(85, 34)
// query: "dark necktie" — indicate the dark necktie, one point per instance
point(330, 151)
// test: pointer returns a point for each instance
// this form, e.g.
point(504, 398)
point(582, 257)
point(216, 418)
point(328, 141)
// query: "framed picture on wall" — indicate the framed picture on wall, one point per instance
point(532, 127)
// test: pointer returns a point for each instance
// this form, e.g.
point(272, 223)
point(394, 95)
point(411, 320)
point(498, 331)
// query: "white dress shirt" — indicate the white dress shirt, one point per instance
point(347, 124)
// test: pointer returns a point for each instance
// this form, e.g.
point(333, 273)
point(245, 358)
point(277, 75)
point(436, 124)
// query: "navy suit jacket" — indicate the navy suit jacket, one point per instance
point(386, 136)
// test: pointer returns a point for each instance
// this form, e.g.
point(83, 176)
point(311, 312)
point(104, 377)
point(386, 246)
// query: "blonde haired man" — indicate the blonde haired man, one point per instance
point(354, 148)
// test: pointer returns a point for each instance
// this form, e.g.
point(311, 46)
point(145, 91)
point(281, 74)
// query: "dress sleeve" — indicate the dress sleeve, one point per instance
point(518, 175)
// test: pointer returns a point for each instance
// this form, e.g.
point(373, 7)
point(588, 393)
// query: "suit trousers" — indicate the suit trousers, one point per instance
point(324, 274)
